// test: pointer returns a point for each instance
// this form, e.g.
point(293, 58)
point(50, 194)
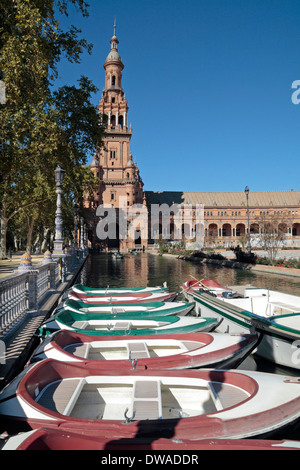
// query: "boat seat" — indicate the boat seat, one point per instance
point(214, 396)
point(116, 310)
point(225, 396)
point(80, 350)
point(79, 325)
point(137, 350)
point(61, 396)
point(146, 399)
point(122, 325)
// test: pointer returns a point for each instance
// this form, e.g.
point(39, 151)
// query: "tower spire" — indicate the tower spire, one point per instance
point(115, 26)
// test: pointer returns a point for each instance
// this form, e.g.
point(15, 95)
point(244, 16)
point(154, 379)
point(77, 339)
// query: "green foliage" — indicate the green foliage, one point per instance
point(40, 128)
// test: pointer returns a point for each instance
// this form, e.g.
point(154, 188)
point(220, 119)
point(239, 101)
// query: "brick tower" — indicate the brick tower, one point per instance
point(120, 184)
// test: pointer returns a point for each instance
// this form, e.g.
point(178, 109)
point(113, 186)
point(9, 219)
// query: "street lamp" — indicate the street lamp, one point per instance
point(247, 196)
point(76, 210)
point(81, 233)
point(58, 242)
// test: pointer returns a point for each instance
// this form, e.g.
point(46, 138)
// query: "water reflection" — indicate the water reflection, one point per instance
point(146, 269)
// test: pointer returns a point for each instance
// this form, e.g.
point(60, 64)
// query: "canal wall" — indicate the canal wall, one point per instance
point(27, 298)
point(233, 264)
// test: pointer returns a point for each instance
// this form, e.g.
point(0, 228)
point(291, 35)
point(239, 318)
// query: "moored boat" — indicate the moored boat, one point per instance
point(181, 351)
point(134, 324)
point(56, 439)
point(155, 308)
point(187, 404)
point(85, 290)
point(274, 315)
point(142, 297)
point(204, 285)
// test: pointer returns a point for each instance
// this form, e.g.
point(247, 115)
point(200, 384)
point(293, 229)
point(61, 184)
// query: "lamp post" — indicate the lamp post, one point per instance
point(76, 210)
point(81, 233)
point(58, 241)
point(247, 196)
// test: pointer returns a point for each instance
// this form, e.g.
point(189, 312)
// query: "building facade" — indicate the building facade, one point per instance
point(228, 217)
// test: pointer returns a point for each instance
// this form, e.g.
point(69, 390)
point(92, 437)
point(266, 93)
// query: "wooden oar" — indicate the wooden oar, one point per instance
point(189, 287)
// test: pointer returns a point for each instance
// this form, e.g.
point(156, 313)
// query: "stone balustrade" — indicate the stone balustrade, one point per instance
point(23, 292)
point(13, 300)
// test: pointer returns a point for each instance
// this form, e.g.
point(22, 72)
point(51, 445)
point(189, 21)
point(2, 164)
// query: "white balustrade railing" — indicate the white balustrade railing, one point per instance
point(24, 292)
point(42, 281)
point(13, 299)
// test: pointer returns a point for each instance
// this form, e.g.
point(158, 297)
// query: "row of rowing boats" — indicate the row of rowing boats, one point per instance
point(128, 367)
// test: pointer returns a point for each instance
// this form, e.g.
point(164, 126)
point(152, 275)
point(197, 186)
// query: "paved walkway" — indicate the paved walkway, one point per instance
point(7, 266)
point(288, 254)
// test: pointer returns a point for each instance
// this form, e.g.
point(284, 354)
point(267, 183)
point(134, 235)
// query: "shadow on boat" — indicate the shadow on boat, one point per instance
point(142, 435)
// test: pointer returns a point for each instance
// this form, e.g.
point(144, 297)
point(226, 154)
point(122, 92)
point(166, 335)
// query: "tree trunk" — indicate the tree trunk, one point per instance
point(3, 232)
point(16, 242)
point(30, 225)
point(45, 240)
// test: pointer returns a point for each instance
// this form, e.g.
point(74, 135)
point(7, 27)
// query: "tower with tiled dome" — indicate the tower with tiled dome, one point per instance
point(119, 179)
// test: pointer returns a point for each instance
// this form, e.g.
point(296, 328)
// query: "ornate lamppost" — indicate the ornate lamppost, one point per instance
point(82, 233)
point(249, 243)
point(76, 210)
point(58, 241)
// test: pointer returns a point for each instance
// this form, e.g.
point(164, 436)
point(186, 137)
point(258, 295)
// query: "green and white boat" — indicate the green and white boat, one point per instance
point(274, 315)
point(153, 308)
point(133, 324)
point(86, 290)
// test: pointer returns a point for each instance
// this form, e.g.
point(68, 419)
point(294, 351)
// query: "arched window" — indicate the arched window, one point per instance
point(113, 80)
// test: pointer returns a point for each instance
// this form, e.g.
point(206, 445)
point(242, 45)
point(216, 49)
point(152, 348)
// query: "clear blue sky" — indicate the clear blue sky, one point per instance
point(208, 83)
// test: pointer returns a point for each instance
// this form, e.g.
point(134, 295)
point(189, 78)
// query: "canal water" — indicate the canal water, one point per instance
point(144, 269)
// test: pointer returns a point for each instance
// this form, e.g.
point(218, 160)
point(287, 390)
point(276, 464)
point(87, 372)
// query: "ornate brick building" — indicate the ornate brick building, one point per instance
point(120, 187)
point(226, 215)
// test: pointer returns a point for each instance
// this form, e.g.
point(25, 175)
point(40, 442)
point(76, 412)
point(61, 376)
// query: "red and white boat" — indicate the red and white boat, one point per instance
point(181, 351)
point(124, 298)
point(206, 285)
point(56, 439)
point(186, 404)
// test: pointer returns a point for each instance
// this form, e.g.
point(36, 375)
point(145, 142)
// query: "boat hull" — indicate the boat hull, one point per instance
point(124, 298)
point(182, 351)
point(55, 439)
point(129, 326)
point(192, 405)
point(278, 343)
point(153, 308)
point(81, 289)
